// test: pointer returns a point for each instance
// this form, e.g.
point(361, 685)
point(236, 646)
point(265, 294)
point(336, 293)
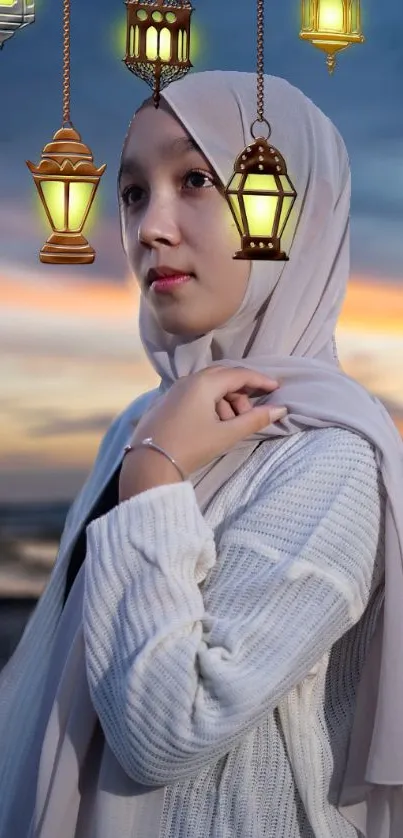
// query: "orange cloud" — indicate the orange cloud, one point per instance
point(370, 305)
point(72, 296)
point(373, 306)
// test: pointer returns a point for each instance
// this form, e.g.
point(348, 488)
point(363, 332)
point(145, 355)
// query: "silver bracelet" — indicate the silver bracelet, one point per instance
point(148, 443)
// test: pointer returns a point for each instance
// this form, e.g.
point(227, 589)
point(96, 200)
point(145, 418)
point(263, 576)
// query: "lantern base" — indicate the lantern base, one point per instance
point(67, 249)
point(260, 247)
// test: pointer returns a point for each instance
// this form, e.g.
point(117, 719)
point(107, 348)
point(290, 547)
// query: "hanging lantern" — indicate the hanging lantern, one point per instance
point(66, 180)
point(331, 25)
point(259, 192)
point(261, 197)
point(14, 14)
point(158, 41)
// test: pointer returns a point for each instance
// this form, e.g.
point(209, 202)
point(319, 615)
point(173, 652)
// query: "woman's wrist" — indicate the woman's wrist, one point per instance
point(145, 469)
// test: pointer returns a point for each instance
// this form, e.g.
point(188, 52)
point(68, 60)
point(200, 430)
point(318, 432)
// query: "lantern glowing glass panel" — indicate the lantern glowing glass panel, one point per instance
point(53, 196)
point(158, 41)
point(67, 203)
point(261, 196)
point(79, 202)
point(331, 15)
point(331, 26)
point(14, 15)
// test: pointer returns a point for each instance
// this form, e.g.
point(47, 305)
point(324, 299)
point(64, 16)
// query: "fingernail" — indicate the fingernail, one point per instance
point(279, 413)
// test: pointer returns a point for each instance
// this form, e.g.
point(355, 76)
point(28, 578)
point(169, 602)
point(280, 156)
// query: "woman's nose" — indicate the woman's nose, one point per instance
point(159, 225)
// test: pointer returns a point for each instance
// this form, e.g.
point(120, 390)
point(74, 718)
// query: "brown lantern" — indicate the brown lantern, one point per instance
point(66, 180)
point(331, 25)
point(261, 197)
point(158, 41)
point(259, 192)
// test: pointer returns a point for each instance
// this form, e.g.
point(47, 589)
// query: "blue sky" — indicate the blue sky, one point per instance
point(364, 98)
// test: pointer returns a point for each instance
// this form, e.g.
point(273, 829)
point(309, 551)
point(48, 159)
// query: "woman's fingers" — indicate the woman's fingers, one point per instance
point(224, 410)
point(238, 379)
point(239, 402)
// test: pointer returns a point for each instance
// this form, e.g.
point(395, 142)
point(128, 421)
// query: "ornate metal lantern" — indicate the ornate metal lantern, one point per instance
point(158, 41)
point(14, 14)
point(259, 192)
point(331, 25)
point(66, 180)
point(261, 197)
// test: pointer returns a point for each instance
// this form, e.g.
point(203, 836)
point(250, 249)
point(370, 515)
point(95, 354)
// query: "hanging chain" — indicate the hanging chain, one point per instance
point(66, 62)
point(260, 60)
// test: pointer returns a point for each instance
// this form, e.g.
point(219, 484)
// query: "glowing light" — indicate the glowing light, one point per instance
point(331, 15)
point(78, 198)
point(118, 35)
point(165, 44)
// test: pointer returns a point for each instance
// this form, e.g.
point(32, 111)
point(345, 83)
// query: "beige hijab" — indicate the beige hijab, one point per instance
point(285, 327)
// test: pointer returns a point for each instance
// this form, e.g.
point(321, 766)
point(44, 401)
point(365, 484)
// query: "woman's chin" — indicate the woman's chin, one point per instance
point(182, 328)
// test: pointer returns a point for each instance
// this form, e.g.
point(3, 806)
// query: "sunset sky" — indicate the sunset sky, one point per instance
point(70, 355)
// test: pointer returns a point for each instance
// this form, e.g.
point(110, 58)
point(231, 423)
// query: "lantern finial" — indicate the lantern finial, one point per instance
point(158, 41)
point(259, 192)
point(66, 180)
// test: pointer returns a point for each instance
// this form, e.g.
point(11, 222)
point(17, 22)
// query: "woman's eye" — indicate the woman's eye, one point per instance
point(198, 180)
point(131, 195)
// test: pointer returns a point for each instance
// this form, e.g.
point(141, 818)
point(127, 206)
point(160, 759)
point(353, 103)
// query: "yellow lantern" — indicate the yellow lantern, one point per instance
point(14, 14)
point(261, 197)
point(331, 26)
point(66, 180)
point(259, 192)
point(158, 41)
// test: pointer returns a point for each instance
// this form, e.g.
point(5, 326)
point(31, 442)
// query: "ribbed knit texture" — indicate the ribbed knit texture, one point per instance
point(224, 650)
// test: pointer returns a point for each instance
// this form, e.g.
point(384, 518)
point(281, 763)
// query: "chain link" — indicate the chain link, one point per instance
point(260, 60)
point(66, 61)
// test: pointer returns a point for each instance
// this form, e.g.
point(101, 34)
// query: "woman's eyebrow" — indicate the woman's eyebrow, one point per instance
point(169, 150)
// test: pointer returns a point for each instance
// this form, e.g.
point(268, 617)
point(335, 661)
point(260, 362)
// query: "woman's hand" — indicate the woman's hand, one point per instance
point(200, 418)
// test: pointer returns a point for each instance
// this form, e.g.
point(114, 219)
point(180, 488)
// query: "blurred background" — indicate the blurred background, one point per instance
point(70, 356)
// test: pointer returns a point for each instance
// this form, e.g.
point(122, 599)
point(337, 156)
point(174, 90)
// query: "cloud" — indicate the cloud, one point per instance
point(24, 333)
point(23, 232)
point(61, 425)
point(41, 483)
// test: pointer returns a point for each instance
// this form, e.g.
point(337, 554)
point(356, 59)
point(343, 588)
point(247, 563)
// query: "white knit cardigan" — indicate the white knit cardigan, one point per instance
point(224, 649)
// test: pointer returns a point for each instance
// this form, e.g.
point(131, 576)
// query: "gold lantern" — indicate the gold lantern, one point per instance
point(331, 25)
point(158, 41)
point(259, 192)
point(66, 180)
point(14, 14)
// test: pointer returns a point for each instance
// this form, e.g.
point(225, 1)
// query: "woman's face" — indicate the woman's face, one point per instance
point(175, 219)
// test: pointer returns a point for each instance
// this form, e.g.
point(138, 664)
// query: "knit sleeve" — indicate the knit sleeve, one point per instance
point(177, 684)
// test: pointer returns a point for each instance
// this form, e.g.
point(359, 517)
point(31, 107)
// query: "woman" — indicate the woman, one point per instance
point(224, 664)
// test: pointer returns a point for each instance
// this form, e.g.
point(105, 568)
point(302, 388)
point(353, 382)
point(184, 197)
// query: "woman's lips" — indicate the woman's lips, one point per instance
point(167, 283)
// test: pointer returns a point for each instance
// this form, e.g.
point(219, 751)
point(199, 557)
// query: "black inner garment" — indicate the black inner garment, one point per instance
point(107, 500)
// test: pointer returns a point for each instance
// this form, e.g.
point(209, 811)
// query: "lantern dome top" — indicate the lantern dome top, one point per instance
point(67, 142)
point(67, 154)
point(259, 157)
